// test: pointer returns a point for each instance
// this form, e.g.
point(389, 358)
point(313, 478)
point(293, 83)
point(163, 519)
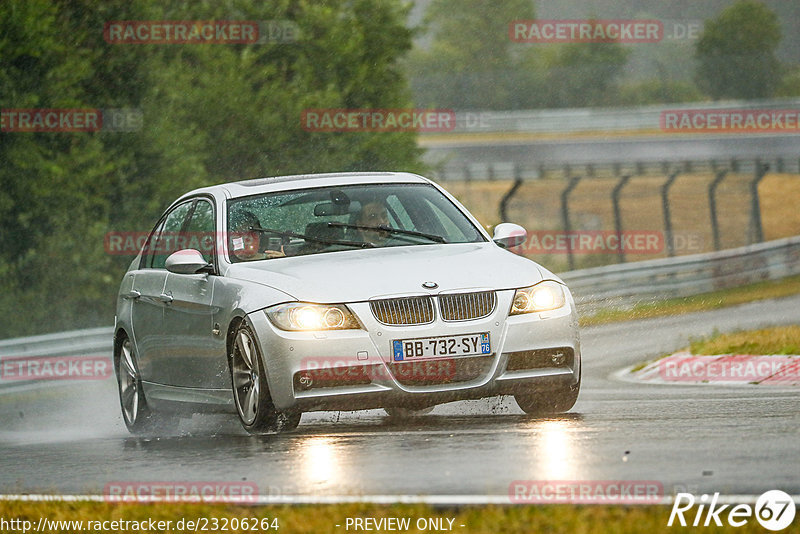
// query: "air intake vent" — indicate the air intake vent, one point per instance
point(441, 371)
point(467, 306)
point(403, 311)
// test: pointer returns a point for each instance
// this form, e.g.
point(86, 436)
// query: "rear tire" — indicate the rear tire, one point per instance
point(139, 418)
point(251, 390)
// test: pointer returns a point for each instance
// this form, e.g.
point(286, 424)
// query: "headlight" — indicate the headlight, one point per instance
point(303, 316)
point(547, 295)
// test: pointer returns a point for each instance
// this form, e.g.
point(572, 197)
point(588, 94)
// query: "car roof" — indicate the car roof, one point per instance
point(304, 181)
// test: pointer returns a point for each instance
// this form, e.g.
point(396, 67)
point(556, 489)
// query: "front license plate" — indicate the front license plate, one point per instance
point(434, 347)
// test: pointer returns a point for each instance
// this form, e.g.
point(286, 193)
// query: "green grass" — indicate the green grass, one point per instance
point(706, 301)
point(642, 365)
point(777, 340)
point(552, 519)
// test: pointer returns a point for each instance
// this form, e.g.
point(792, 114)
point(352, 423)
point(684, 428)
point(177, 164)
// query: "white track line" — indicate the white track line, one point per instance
point(448, 500)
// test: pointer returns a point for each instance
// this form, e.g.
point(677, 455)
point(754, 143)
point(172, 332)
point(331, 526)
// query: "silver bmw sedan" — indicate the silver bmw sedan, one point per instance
point(275, 296)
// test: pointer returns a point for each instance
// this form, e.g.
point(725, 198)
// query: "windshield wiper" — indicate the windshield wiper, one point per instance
point(314, 239)
point(390, 230)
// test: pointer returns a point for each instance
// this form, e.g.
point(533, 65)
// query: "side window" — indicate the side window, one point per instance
point(199, 232)
point(166, 242)
point(151, 249)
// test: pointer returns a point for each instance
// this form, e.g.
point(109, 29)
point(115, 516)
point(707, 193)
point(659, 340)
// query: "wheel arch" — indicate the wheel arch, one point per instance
point(120, 335)
point(230, 335)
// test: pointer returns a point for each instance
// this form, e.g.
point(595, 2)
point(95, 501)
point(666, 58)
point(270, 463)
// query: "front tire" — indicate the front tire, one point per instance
point(548, 402)
point(251, 391)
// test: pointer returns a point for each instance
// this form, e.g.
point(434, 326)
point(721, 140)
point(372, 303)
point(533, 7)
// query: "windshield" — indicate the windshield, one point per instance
point(314, 221)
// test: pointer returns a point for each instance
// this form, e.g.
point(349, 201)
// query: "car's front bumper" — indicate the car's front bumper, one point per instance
point(352, 369)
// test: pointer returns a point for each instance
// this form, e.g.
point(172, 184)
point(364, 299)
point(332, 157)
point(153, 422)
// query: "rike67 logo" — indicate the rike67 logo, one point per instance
point(774, 510)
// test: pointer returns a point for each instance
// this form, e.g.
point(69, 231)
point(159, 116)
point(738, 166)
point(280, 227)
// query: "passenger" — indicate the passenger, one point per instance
point(246, 243)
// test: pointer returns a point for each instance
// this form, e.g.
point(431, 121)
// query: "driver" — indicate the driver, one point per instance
point(373, 214)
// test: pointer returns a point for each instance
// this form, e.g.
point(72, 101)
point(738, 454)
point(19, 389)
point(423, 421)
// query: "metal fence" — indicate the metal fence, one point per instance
point(723, 196)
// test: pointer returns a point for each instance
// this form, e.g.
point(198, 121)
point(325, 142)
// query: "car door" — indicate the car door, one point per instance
point(148, 294)
point(193, 358)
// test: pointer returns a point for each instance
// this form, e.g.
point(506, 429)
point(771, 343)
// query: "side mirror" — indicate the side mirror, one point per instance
point(509, 235)
point(187, 261)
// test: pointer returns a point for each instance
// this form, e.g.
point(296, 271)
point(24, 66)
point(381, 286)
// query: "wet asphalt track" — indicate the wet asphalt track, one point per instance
point(736, 440)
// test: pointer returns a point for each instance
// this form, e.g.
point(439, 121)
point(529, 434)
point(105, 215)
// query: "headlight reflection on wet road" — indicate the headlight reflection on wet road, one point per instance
point(320, 459)
point(554, 454)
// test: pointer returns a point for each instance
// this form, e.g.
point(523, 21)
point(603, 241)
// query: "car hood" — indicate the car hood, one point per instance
point(359, 275)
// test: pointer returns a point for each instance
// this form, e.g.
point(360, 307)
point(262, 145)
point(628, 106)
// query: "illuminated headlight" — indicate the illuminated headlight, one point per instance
point(303, 316)
point(544, 296)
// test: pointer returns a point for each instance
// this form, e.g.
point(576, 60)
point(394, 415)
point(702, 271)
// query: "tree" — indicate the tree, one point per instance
point(52, 185)
point(471, 62)
point(211, 113)
point(584, 74)
point(790, 84)
point(736, 53)
point(246, 102)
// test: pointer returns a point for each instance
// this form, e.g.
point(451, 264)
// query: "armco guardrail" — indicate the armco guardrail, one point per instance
point(63, 343)
point(570, 120)
point(624, 285)
point(88, 342)
point(599, 287)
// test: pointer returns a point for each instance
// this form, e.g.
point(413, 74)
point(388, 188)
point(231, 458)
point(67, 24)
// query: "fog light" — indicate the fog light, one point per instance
point(305, 381)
